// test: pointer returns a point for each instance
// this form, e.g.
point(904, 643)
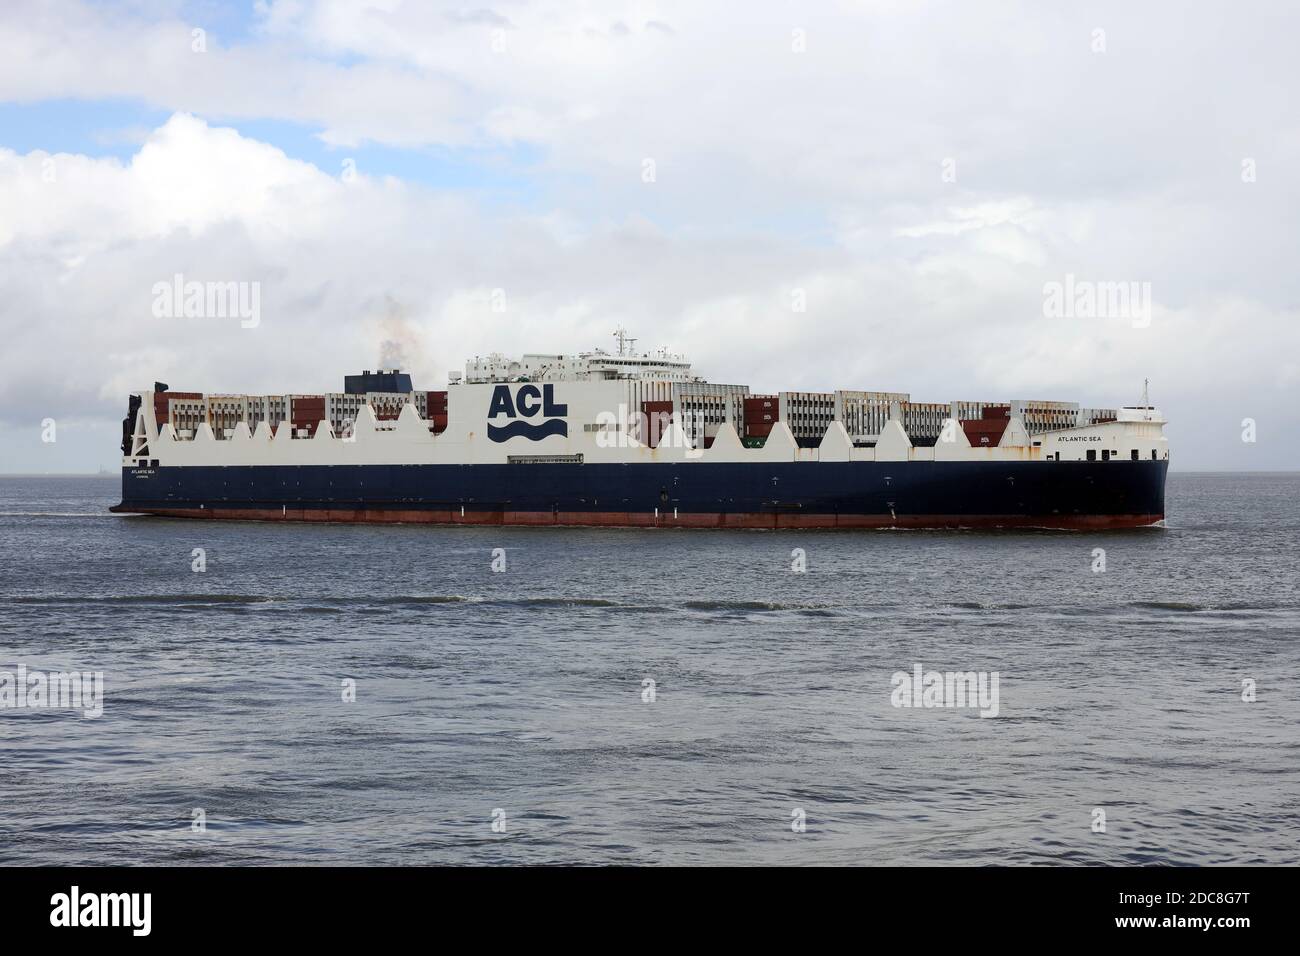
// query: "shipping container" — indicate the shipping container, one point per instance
point(225, 412)
point(186, 414)
point(807, 415)
point(1043, 416)
point(864, 414)
point(1097, 416)
point(985, 432)
point(923, 421)
point(700, 408)
point(306, 412)
point(657, 416)
point(162, 404)
point(762, 408)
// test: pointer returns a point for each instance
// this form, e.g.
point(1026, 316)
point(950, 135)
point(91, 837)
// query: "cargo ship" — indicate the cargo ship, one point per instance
point(631, 438)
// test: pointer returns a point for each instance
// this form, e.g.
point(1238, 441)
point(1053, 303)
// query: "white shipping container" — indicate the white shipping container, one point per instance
point(864, 414)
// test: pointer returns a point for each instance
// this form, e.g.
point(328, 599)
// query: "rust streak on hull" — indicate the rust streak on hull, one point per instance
point(665, 519)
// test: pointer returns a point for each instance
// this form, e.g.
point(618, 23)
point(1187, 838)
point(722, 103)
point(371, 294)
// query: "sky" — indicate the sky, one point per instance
point(797, 195)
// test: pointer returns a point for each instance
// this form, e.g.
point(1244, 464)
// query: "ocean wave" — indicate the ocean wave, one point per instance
point(144, 599)
point(996, 606)
point(410, 599)
point(1169, 606)
point(1191, 606)
point(1196, 606)
point(56, 514)
point(559, 602)
point(725, 605)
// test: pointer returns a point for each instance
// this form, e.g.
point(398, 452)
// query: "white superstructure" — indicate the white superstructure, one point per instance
point(594, 366)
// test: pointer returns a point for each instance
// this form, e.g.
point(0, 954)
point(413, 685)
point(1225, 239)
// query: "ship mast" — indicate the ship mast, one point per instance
point(625, 341)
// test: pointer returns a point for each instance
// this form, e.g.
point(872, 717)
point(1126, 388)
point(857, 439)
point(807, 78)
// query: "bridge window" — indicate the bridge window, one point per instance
point(1092, 454)
point(1135, 454)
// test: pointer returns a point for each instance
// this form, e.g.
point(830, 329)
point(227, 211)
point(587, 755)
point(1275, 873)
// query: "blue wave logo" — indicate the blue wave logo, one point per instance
point(528, 402)
point(524, 430)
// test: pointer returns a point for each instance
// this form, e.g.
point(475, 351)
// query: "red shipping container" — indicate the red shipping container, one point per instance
point(658, 415)
point(306, 411)
point(984, 432)
point(763, 409)
point(307, 407)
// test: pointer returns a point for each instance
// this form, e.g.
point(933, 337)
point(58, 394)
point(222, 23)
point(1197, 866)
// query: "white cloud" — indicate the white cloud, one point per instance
point(776, 170)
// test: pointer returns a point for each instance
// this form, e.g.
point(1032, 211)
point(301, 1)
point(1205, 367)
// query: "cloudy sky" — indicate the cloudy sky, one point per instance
point(423, 182)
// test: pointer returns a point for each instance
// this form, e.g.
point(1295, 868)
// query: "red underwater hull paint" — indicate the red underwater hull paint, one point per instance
point(665, 519)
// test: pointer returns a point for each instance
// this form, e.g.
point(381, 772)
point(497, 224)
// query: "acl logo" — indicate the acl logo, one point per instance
point(526, 403)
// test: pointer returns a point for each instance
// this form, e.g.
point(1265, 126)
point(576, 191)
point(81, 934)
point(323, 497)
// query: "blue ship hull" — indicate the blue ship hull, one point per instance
point(1078, 494)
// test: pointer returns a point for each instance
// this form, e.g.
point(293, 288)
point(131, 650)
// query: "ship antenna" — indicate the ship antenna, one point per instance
point(624, 340)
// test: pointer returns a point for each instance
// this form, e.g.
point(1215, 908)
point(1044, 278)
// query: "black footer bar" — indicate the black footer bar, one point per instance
point(334, 905)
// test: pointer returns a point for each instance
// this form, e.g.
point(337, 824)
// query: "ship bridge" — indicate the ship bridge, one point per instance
point(592, 366)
